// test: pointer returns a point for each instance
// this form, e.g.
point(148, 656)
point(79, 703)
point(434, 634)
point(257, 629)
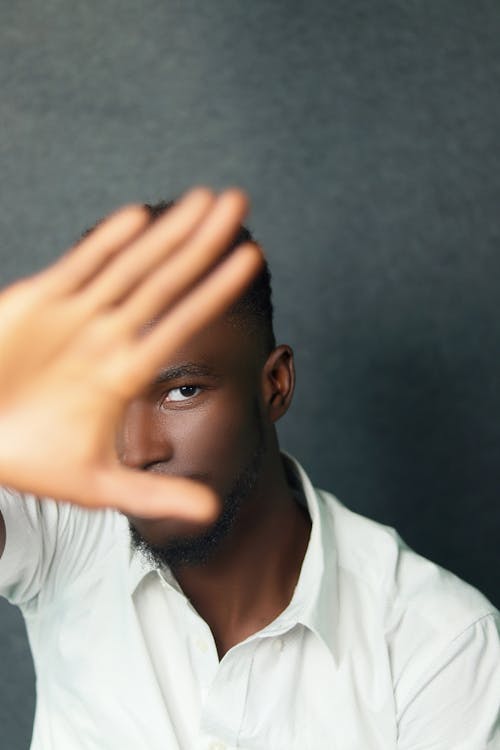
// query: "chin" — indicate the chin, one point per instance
point(158, 532)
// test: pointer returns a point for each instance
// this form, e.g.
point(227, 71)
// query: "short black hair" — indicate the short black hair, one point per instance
point(255, 306)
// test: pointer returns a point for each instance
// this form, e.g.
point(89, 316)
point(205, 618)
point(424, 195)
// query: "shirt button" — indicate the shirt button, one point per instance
point(278, 645)
point(202, 645)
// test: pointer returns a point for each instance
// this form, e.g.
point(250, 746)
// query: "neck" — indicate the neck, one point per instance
point(250, 580)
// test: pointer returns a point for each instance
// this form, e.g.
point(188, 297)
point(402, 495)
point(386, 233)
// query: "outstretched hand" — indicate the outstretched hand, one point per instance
point(75, 350)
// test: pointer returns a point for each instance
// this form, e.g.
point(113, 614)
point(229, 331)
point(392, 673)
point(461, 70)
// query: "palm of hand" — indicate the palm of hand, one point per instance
point(73, 357)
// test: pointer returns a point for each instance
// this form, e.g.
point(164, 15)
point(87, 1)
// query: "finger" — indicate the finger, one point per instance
point(84, 260)
point(186, 267)
point(160, 241)
point(203, 304)
point(144, 495)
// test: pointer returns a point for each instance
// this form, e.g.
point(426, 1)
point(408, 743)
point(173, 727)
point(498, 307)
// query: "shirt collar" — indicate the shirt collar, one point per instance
point(139, 568)
point(314, 603)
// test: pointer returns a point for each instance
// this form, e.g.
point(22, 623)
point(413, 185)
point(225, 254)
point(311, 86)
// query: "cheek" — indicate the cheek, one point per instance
point(216, 440)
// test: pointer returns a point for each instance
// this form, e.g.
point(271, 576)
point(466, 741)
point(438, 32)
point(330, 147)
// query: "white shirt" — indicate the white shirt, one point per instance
point(378, 649)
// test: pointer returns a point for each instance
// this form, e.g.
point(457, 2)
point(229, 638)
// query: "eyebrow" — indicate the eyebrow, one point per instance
point(187, 369)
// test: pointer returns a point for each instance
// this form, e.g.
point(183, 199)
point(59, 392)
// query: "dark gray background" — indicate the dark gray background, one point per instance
point(367, 135)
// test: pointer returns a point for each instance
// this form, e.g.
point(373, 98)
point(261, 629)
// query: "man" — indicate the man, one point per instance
point(273, 618)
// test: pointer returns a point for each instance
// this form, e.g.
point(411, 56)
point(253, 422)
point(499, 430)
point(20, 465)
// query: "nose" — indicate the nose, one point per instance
point(142, 440)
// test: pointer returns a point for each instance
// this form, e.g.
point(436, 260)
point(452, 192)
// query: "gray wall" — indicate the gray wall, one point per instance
point(368, 137)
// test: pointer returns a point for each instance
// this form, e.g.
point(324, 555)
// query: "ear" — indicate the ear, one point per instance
point(278, 381)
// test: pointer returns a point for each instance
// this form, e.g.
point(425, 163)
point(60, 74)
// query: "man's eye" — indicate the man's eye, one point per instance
point(182, 393)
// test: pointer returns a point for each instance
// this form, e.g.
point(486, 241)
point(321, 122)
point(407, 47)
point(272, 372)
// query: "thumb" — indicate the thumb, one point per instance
point(144, 495)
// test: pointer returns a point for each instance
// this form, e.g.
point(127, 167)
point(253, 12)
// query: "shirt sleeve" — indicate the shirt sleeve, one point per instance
point(49, 544)
point(455, 705)
point(29, 545)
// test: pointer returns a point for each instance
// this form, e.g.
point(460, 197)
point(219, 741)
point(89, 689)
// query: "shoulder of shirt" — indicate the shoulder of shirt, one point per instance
point(375, 558)
point(53, 546)
point(48, 516)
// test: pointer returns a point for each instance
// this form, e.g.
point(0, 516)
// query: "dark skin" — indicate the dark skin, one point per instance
point(208, 426)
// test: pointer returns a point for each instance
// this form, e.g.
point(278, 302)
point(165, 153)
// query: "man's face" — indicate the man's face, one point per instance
point(202, 418)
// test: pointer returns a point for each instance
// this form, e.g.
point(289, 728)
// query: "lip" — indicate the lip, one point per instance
point(149, 528)
point(161, 469)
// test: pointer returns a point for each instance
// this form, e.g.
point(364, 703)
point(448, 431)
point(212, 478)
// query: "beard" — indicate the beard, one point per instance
point(197, 550)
